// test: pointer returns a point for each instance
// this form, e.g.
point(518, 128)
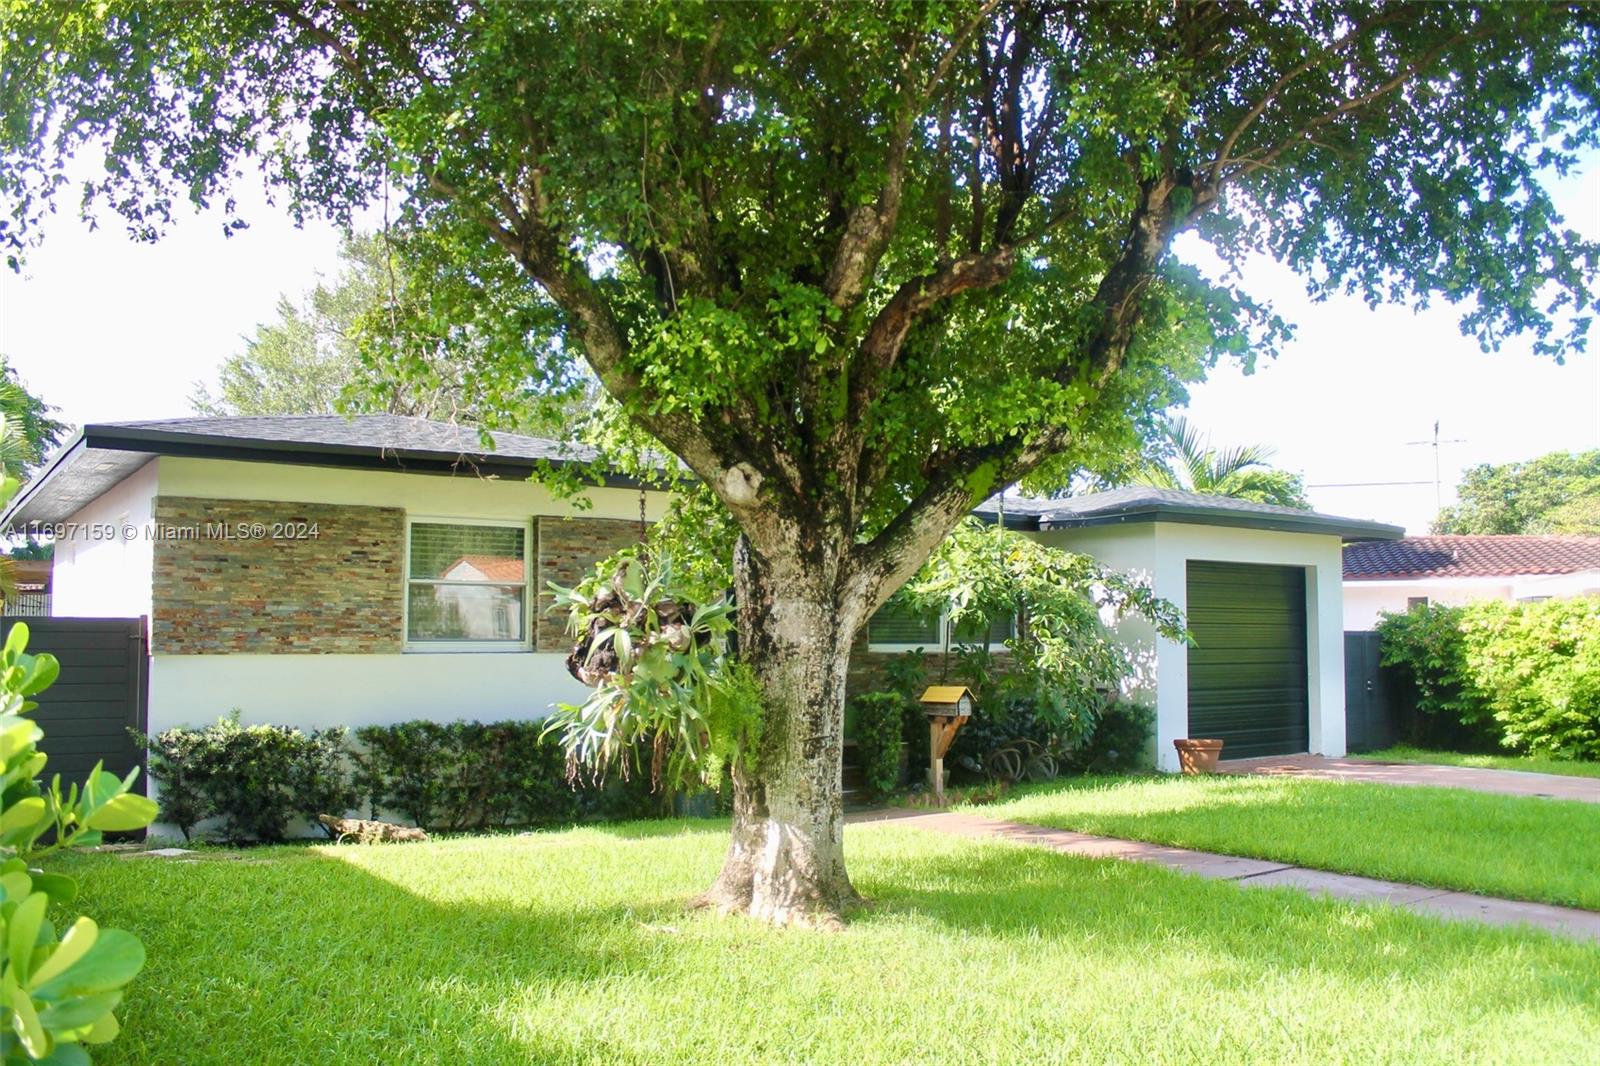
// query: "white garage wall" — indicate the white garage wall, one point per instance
point(1321, 556)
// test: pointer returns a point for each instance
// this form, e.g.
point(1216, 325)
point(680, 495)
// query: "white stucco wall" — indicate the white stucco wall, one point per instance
point(1366, 601)
point(1160, 552)
point(104, 564)
point(317, 691)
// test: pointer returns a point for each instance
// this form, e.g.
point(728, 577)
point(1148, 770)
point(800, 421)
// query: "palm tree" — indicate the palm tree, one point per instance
point(1241, 472)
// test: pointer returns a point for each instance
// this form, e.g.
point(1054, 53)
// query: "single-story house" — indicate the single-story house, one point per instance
point(1395, 575)
point(315, 571)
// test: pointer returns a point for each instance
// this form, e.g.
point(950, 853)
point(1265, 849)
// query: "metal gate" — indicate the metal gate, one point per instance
point(101, 693)
point(1370, 705)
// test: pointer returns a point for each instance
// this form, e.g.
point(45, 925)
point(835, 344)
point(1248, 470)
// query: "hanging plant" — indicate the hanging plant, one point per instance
point(663, 680)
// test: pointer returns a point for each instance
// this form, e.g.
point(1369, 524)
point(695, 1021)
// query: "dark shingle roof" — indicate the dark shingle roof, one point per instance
point(398, 434)
point(102, 454)
point(1136, 503)
point(1470, 556)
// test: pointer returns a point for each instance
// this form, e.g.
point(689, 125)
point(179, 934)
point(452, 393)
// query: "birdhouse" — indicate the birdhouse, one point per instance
point(947, 701)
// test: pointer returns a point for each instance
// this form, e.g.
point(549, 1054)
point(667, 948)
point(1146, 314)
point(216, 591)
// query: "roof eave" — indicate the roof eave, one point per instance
point(1345, 529)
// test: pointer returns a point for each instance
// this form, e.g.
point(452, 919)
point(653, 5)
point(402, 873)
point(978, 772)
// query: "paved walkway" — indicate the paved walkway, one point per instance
point(1257, 873)
point(1506, 782)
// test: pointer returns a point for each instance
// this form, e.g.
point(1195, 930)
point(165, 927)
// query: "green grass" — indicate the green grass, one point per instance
point(1519, 847)
point(576, 947)
point(1536, 764)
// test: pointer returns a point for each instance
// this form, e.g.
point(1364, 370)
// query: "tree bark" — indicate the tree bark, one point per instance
point(785, 861)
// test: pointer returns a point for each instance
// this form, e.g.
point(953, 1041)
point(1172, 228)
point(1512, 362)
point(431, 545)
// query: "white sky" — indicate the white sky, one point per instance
point(107, 329)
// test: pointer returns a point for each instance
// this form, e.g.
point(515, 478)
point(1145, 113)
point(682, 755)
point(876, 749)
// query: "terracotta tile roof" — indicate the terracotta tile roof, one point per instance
point(506, 568)
point(1469, 556)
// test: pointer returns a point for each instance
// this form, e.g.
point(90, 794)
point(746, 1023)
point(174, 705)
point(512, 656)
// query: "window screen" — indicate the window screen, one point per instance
point(999, 631)
point(895, 624)
point(466, 583)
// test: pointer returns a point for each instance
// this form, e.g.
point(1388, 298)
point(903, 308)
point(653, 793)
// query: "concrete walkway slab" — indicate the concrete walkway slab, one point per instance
point(1504, 782)
point(1255, 873)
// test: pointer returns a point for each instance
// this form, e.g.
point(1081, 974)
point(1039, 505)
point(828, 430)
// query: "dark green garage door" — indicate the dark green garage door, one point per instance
point(1247, 668)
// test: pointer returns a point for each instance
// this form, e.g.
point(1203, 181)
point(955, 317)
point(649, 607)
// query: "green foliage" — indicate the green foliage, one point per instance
point(59, 990)
point(254, 779)
point(1524, 675)
point(456, 776)
point(879, 735)
point(1061, 657)
point(1120, 742)
point(661, 676)
point(1555, 493)
point(1192, 465)
point(1425, 646)
point(364, 342)
point(1539, 667)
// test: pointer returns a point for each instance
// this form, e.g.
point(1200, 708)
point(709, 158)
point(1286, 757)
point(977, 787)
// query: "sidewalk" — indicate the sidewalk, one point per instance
point(1257, 873)
point(1504, 782)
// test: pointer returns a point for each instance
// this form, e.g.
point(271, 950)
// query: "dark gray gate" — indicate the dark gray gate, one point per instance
point(100, 695)
point(1370, 705)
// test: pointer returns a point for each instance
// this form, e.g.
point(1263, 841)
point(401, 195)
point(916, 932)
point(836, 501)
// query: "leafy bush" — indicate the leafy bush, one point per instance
point(879, 727)
point(1120, 741)
point(1538, 668)
point(1447, 709)
point(253, 779)
point(60, 991)
point(1523, 676)
point(456, 776)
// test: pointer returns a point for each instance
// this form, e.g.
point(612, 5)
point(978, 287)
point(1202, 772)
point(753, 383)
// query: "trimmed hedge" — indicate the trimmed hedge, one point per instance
point(255, 781)
point(879, 723)
point(457, 776)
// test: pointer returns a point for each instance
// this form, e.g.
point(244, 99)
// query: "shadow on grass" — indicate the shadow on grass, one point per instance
point(500, 950)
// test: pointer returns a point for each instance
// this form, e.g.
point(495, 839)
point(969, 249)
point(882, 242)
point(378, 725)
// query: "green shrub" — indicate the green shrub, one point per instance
point(1538, 666)
point(1489, 675)
point(60, 991)
point(1120, 741)
point(879, 727)
point(457, 776)
point(1445, 707)
point(253, 779)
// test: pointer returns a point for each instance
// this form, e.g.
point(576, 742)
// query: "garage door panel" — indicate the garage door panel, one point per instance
point(1247, 668)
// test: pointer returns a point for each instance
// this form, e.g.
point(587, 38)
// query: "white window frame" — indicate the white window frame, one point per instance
point(456, 647)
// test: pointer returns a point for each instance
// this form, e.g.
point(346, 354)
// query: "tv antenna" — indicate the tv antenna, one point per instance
point(1438, 481)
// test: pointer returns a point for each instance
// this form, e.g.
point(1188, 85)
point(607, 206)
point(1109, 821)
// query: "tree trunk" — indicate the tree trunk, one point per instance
point(785, 861)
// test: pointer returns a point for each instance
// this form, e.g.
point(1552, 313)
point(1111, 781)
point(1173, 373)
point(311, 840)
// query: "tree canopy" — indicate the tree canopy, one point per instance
point(358, 343)
point(857, 265)
point(1555, 493)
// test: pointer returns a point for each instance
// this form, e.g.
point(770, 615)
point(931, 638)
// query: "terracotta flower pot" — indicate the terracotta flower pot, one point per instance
point(1198, 756)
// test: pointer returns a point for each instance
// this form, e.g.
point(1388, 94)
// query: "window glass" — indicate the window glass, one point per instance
point(894, 624)
point(466, 583)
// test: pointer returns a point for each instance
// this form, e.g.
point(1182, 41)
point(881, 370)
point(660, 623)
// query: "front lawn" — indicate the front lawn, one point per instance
point(1521, 847)
point(1534, 764)
point(575, 947)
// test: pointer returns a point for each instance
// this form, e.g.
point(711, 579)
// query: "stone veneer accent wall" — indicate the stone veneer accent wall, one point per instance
point(338, 592)
point(568, 547)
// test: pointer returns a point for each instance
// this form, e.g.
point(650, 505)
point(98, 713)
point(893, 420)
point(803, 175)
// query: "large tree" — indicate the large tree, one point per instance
point(856, 265)
point(1555, 493)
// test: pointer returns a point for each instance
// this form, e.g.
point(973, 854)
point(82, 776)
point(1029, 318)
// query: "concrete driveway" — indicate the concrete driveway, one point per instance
point(1506, 782)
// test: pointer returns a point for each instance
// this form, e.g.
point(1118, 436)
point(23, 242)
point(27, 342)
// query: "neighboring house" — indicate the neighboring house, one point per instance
point(31, 597)
point(316, 571)
point(1398, 574)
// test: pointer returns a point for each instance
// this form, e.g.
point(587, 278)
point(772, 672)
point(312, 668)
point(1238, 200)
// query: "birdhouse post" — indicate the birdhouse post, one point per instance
point(948, 707)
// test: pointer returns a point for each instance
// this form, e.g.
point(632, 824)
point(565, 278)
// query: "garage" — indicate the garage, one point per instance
point(1247, 668)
